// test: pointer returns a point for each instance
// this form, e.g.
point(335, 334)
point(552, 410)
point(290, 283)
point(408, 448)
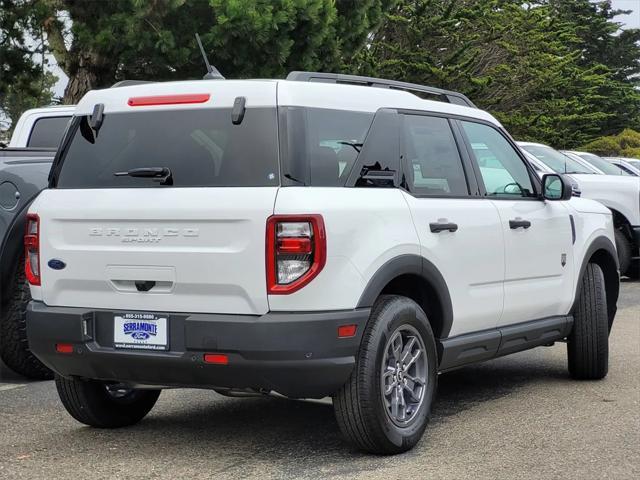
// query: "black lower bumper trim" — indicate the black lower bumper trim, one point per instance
point(295, 354)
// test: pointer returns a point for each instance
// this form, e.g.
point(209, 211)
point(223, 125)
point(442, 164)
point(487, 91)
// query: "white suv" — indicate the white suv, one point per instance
point(310, 236)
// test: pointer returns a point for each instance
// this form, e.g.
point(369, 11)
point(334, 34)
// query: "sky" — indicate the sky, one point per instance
point(630, 21)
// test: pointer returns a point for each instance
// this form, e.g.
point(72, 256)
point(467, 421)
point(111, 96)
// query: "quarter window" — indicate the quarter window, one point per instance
point(432, 162)
point(503, 172)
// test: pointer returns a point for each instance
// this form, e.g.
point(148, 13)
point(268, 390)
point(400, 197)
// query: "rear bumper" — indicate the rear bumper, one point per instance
point(295, 354)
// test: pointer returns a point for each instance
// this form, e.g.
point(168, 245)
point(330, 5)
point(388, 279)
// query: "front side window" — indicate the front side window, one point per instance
point(432, 162)
point(503, 171)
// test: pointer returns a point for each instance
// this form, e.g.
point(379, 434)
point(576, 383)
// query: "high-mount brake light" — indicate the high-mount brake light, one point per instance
point(168, 99)
point(296, 251)
point(32, 249)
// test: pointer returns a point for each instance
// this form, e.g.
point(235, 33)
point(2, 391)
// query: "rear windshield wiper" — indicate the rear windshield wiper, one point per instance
point(157, 174)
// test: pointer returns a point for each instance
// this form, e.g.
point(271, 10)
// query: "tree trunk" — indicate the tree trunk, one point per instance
point(80, 82)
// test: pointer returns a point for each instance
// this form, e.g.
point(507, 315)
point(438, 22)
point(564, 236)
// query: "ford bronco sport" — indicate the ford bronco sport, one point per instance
point(311, 236)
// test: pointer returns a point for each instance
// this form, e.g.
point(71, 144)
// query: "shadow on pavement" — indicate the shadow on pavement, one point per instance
point(275, 428)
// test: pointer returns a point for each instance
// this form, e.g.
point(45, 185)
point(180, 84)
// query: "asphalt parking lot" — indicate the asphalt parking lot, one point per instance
point(514, 417)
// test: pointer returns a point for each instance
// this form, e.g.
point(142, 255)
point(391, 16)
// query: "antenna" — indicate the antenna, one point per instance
point(212, 72)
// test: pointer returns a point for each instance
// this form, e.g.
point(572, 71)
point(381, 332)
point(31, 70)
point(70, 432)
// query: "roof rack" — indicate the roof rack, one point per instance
point(446, 95)
point(128, 83)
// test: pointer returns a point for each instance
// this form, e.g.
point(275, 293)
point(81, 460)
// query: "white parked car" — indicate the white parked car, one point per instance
point(600, 163)
point(41, 127)
point(621, 194)
point(627, 165)
point(312, 238)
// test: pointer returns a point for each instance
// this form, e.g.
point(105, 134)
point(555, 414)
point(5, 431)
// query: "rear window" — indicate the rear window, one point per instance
point(47, 132)
point(320, 146)
point(202, 148)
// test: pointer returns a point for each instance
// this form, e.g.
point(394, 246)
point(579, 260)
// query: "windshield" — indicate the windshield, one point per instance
point(201, 148)
point(601, 164)
point(555, 160)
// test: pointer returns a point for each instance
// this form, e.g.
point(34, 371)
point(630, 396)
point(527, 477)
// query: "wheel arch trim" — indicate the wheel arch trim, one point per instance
point(410, 264)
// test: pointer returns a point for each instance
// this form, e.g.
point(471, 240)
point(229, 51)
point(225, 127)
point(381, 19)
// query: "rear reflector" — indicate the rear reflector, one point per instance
point(168, 99)
point(64, 348)
point(216, 358)
point(346, 331)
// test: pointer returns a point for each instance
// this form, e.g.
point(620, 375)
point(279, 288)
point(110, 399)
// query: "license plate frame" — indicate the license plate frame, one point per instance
point(140, 331)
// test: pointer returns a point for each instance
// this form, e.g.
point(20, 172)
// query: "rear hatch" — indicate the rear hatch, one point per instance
point(193, 242)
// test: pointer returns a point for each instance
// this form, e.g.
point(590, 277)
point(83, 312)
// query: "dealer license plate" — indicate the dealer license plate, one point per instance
point(142, 331)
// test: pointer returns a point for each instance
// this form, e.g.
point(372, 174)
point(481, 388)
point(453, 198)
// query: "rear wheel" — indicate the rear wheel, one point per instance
point(104, 405)
point(385, 405)
point(623, 246)
point(588, 344)
point(14, 347)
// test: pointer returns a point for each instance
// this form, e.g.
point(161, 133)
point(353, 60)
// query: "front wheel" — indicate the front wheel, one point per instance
point(385, 405)
point(588, 344)
point(104, 405)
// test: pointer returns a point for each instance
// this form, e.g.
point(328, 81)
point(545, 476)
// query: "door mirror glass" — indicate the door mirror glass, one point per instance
point(554, 187)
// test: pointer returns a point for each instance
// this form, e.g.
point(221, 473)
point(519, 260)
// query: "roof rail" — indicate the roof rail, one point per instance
point(447, 96)
point(128, 83)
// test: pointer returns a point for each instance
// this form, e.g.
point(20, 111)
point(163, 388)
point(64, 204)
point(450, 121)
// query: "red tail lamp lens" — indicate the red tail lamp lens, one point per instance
point(32, 249)
point(296, 251)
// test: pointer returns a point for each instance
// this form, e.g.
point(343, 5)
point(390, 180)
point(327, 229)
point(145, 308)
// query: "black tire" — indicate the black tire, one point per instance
point(89, 402)
point(14, 347)
point(359, 405)
point(588, 344)
point(623, 246)
point(633, 272)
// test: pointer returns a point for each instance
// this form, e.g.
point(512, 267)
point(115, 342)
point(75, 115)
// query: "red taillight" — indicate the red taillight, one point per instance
point(347, 331)
point(64, 348)
point(296, 251)
point(216, 358)
point(168, 99)
point(32, 249)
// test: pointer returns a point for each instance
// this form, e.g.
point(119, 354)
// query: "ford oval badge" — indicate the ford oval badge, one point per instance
point(56, 264)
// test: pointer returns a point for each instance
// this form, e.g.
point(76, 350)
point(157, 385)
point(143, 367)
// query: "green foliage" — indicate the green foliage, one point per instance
point(540, 67)
point(625, 144)
point(24, 82)
point(104, 42)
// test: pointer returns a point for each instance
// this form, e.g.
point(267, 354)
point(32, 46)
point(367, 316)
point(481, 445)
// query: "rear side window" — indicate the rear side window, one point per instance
point(47, 132)
point(320, 146)
point(432, 162)
point(202, 148)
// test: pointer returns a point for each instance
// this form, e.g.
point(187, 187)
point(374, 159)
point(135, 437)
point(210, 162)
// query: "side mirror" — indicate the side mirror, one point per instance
point(555, 187)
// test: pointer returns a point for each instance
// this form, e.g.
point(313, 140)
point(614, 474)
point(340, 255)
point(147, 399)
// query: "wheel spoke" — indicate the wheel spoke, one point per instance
point(396, 346)
point(413, 358)
point(406, 351)
point(389, 381)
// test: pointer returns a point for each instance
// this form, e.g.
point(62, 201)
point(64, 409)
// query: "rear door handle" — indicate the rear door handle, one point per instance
point(441, 227)
point(519, 223)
